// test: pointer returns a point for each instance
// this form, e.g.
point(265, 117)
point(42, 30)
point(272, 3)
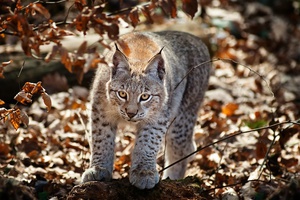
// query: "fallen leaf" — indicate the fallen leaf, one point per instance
point(33, 154)
point(286, 134)
point(229, 109)
point(261, 150)
point(4, 149)
point(290, 162)
point(1, 102)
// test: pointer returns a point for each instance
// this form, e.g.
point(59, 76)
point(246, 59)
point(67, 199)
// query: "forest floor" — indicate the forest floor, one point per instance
point(248, 125)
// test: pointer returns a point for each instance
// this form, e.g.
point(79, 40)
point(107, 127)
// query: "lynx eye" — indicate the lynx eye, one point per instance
point(145, 97)
point(122, 95)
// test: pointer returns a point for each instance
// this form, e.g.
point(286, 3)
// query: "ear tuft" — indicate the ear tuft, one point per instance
point(120, 62)
point(156, 66)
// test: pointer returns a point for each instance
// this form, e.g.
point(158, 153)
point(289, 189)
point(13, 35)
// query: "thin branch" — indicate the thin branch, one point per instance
point(50, 2)
point(253, 71)
point(267, 153)
point(228, 137)
point(68, 12)
point(4, 31)
point(230, 60)
point(19, 74)
point(234, 184)
point(129, 8)
point(195, 67)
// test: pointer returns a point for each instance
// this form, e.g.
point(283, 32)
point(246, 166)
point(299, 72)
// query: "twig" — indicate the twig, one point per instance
point(19, 74)
point(220, 163)
point(129, 8)
point(253, 71)
point(267, 153)
point(228, 137)
point(234, 184)
point(50, 2)
point(195, 67)
point(165, 149)
point(230, 60)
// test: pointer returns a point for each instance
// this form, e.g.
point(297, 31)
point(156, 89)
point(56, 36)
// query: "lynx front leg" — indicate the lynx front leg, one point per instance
point(143, 172)
point(102, 142)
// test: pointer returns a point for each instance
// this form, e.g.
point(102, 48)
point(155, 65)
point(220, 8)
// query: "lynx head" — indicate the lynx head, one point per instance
point(136, 87)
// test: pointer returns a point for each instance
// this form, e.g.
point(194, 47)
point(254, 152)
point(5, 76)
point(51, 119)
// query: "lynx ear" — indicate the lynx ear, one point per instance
point(156, 66)
point(120, 62)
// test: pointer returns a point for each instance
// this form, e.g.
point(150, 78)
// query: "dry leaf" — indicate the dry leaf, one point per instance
point(134, 17)
point(290, 162)
point(1, 102)
point(33, 154)
point(286, 134)
point(4, 64)
point(4, 149)
point(24, 118)
point(229, 109)
point(14, 118)
point(52, 54)
point(146, 12)
point(23, 97)
point(261, 150)
point(190, 7)
point(37, 87)
point(41, 9)
point(47, 101)
point(169, 7)
point(82, 49)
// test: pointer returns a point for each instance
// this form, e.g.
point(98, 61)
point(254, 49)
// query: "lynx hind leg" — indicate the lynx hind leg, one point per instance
point(179, 143)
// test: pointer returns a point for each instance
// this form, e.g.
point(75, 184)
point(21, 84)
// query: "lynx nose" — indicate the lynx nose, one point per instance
point(130, 113)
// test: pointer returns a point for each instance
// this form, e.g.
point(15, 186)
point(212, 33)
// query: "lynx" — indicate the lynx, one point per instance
point(147, 84)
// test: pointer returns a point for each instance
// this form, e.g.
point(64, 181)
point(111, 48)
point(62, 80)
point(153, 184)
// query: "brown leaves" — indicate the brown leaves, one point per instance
point(190, 7)
point(28, 90)
point(80, 61)
point(99, 21)
point(17, 23)
point(32, 36)
point(168, 6)
point(37, 7)
point(134, 17)
point(15, 116)
point(4, 64)
point(42, 30)
point(146, 12)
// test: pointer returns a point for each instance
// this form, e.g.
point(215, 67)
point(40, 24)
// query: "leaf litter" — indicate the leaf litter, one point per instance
point(46, 158)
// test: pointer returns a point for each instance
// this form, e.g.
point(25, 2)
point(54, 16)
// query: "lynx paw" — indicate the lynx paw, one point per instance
point(144, 178)
point(96, 173)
